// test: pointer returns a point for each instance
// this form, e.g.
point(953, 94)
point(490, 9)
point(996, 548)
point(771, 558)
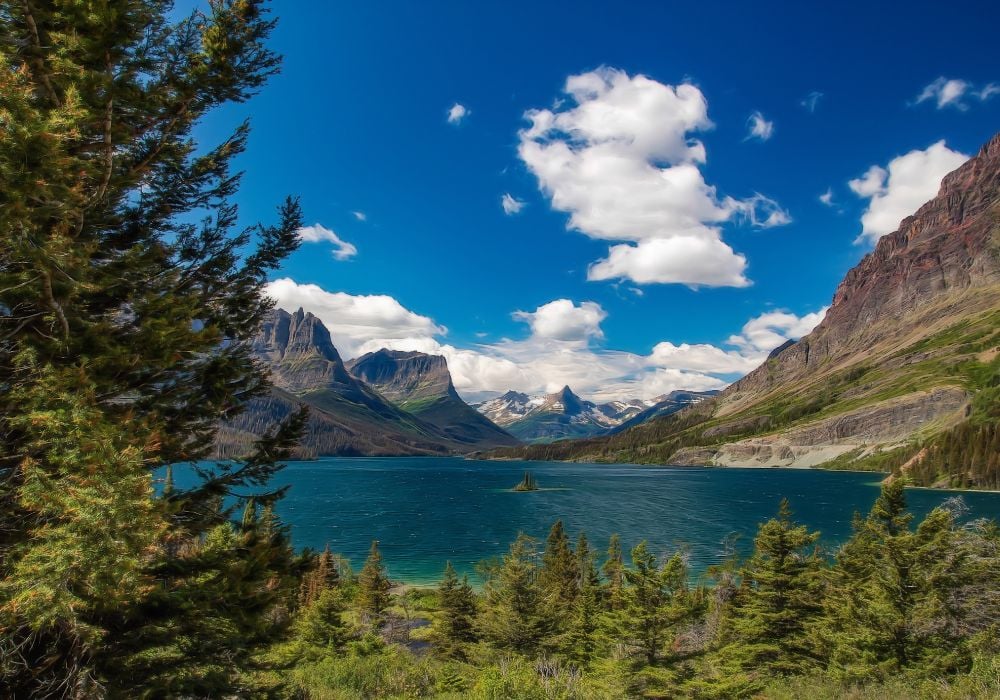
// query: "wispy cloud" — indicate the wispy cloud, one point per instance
point(955, 93)
point(827, 197)
point(359, 215)
point(811, 101)
point(317, 233)
point(759, 128)
point(511, 204)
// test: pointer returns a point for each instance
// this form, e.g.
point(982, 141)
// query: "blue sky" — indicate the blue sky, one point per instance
point(653, 154)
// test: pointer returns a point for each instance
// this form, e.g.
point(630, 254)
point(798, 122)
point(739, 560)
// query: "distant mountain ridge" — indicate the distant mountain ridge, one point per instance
point(347, 415)
point(902, 374)
point(556, 416)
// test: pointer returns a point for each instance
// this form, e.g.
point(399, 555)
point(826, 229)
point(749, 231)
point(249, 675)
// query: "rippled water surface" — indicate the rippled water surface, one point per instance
point(425, 511)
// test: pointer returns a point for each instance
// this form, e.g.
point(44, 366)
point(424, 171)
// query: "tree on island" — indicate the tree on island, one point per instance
point(528, 483)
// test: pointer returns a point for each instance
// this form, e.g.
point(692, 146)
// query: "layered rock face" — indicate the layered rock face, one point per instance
point(300, 353)
point(421, 384)
point(926, 272)
point(404, 376)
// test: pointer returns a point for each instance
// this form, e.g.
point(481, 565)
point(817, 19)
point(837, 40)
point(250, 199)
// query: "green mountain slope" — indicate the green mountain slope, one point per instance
point(902, 373)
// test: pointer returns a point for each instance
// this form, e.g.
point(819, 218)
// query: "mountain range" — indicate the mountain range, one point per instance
point(348, 416)
point(563, 414)
point(902, 374)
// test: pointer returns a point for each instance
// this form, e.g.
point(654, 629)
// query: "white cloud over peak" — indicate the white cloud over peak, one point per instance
point(762, 334)
point(758, 127)
point(563, 320)
point(564, 347)
point(954, 92)
point(618, 157)
point(457, 112)
point(511, 204)
point(899, 189)
point(354, 320)
point(317, 233)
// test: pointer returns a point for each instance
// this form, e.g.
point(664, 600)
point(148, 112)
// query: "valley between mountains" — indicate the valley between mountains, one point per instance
point(902, 375)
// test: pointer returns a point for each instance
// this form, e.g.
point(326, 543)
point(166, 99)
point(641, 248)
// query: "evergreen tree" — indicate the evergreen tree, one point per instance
point(323, 575)
point(126, 304)
point(655, 602)
point(514, 617)
point(320, 629)
point(780, 595)
point(614, 574)
point(581, 640)
point(559, 575)
point(373, 587)
point(456, 626)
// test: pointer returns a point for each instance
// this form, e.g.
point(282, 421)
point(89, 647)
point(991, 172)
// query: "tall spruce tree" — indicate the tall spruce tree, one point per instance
point(559, 575)
point(780, 596)
point(373, 587)
point(455, 629)
point(656, 601)
point(614, 574)
point(126, 303)
point(514, 616)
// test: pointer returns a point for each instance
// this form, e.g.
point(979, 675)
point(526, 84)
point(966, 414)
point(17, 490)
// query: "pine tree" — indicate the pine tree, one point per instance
point(373, 587)
point(323, 575)
point(559, 576)
point(780, 596)
point(320, 629)
point(514, 617)
point(655, 602)
point(456, 626)
point(126, 304)
point(614, 574)
point(581, 640)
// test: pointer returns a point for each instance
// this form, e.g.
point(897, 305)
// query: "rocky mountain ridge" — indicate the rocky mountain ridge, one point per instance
point(907, 357)
point(347, 415)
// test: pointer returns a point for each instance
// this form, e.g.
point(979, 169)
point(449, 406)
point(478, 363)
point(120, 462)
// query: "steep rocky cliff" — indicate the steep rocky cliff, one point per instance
point(421, 385)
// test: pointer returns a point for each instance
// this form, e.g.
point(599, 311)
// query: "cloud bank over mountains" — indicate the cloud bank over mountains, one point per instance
point(564, 346)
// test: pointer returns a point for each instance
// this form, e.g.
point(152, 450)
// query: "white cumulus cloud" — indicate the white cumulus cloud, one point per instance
point(457, 112)
point(762, 334)
point(618, 157)
point(342, 250)
point(563, 320)
point(899, 189)
point(511, 204)
point(758, 127)
point(956, 93)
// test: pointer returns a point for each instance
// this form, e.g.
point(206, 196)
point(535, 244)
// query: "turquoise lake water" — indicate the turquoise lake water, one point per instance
point(425, 510)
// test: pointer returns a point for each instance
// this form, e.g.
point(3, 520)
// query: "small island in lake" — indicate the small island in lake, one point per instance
point(528, 483)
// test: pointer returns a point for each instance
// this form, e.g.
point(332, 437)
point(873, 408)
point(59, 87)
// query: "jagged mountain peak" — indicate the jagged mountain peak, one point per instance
point(284, 335)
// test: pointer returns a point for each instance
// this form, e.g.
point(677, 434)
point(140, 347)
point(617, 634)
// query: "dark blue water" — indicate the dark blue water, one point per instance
point(425, 511)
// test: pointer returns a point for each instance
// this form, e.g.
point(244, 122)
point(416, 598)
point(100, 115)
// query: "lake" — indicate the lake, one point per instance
point(427, 510)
